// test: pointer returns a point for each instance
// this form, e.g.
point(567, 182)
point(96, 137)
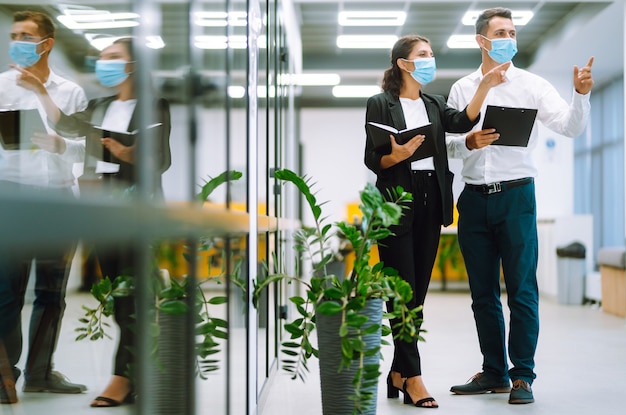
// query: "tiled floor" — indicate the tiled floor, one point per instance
point(581, 367)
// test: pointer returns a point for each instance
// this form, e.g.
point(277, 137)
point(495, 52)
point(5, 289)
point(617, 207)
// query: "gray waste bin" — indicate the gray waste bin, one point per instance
point(571, 273)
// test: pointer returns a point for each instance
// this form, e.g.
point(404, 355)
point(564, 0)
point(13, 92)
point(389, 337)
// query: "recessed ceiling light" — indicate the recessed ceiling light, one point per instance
point(355, 91)
point(366, 41)
point(462, 42)
point(520, 17)
point(371, 18)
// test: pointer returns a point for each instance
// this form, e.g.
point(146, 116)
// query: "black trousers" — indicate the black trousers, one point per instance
point(52, 271)
point(413, 255)
point(115, 261)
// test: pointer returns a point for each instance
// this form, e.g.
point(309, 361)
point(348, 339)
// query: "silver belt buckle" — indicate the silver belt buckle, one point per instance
point(494, 188)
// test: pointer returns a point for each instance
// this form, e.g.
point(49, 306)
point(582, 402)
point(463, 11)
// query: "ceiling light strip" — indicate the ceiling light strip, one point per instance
point(371, 18)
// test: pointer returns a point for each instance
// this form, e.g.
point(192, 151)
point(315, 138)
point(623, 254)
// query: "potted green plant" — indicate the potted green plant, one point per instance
point(170, 300)
point(338, 306)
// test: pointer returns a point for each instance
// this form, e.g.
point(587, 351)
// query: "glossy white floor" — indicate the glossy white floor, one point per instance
point(581, 367)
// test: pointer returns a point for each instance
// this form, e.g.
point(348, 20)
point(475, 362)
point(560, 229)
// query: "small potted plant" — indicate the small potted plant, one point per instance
point(171, 306)
point(346, 313)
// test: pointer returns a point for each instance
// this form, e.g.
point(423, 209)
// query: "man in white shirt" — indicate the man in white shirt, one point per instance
point(46, 167)
point(497, 211)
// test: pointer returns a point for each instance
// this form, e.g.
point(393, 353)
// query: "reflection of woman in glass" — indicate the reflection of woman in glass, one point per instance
point(115, 113)
point(413, 247)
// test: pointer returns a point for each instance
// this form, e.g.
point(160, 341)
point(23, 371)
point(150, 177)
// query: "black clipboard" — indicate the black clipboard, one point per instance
point(17, 127)
point(380, 138)
point(513, 124)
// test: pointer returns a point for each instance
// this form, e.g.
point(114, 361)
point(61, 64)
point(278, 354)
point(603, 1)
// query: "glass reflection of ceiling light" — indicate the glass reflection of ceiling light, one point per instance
point(155, 42)
point(236, 91)
point(366, 41)
point(220, 19)
point(520, 17)
point(355, 91)
point(96, 19)
point(462, 42)
point(309, 79)
point(221, 42)
point(371, 18)
point(101, 41)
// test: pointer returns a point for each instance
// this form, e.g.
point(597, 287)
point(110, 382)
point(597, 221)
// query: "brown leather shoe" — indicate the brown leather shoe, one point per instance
point(521, 392)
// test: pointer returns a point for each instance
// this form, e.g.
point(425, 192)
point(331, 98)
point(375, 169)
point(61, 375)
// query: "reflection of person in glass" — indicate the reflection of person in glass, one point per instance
point(35, 169)
point(413, 247)
point(116, 113)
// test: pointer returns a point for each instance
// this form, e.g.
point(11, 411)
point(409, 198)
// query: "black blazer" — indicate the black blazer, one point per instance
point(386, 109)
point(93, 115)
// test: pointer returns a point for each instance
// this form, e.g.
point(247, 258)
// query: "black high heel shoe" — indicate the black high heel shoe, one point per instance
point(392, 391)
point(420, 404)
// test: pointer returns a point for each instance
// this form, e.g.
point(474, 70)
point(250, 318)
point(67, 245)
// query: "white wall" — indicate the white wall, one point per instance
point(334, 141)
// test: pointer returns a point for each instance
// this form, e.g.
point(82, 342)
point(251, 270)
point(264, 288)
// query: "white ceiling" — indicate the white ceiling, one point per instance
point(562, 33)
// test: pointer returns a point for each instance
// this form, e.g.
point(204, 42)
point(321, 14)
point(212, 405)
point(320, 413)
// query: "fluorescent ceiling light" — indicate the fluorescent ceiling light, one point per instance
point(90, 19)
point(366, 41)
point(520, 17)
point(222, 42)
point(355, 91)
point(371, 18)
point(220, 19)
point(309, 79)
point(462, 42)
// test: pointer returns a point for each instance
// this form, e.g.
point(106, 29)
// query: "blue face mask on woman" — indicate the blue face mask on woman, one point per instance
point(425, 69)
point(25, 53)
point(111, 73)
point(502, 50)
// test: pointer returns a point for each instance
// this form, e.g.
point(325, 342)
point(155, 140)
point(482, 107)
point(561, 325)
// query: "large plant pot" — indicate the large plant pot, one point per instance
point(173, 377)
point(337, 386)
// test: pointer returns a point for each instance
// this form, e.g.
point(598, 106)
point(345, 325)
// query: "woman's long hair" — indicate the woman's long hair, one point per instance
point(392, 79)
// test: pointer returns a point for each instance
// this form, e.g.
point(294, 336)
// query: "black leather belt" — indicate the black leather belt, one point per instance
point(498, 187)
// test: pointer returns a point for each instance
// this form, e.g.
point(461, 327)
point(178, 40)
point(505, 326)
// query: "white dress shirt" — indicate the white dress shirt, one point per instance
point(521, 89)
point(37, 167)
point(415, 115)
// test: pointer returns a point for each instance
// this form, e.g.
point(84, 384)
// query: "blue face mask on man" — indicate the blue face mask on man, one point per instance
point(111, 73)
point(25, 53)
point(502, 50)
point(425, 69)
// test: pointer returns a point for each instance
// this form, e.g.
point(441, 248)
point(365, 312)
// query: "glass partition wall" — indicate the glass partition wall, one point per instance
point(190, 209)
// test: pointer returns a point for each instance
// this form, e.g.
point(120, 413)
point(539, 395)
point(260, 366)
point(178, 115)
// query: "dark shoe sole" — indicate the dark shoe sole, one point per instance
point(29, 389)
point(503, 389)
point(521, 401)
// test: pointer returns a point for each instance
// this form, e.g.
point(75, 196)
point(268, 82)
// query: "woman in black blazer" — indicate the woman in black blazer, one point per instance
point(413, 247)
point(113, 114)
